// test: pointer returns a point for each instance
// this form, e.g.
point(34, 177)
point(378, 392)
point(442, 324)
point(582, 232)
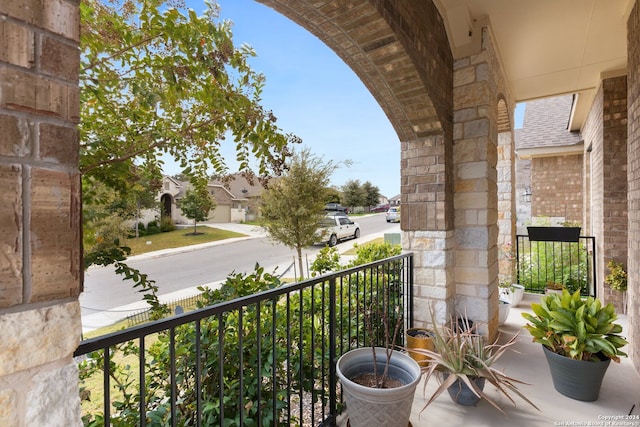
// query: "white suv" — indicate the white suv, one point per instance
point(393, 214)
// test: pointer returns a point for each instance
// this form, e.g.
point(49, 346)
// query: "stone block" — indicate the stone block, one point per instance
point(8, 408)
point(17, 45)
point(54, 399)
point(59, 144)
point(55, 235)
point(60, 59)
point(25, 334)
point(11, 277)
point(15, 136)
point(61, 17)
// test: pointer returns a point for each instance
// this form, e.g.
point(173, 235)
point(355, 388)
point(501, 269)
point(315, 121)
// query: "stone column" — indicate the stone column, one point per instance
point(475, 177)
point(40, 230)
point(506, 207)
point(426, 211)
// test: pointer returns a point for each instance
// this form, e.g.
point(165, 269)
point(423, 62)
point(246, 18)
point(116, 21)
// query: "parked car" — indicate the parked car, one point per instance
point(393, 214)
point(380, 208)
point(334, 228)
point(336, 207)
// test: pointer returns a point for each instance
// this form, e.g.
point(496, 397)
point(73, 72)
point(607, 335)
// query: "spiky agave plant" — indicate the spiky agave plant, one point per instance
point(461, 353)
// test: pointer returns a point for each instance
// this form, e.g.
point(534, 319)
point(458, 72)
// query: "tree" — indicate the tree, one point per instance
point(292, 206)
point(196, 205)
point(353, 193)
point(157, 80)
point(372, 194)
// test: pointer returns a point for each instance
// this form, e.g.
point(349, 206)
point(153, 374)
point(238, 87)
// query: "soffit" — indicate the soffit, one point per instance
point(547, 47)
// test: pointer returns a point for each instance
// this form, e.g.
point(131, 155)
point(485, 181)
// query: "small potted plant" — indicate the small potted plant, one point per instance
point(617, 280)
point(511, 292)
point(419, 338)
point(463, 363)
point(579, 339)
point(553, 288)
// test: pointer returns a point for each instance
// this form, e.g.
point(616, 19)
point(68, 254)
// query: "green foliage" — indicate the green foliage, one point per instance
point(374, 252)
point(196, 205)
point(617, 277)
point(166, 224)
point(158, 80)
point(354, 194)
point(328, 259)
point(277, 346)
point(372, 194)
point(575, 327)
point(566, 263)
point(292, 206)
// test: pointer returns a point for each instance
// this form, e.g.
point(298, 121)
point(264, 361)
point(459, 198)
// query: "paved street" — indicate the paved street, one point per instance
point(177, 272)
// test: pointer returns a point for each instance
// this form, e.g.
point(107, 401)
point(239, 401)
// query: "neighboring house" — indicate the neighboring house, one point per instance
point(549, 165)
point(236, 200)
point(394, 201)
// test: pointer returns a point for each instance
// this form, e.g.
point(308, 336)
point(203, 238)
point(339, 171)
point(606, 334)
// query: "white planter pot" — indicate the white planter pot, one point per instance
point(512, 294)
point(378, 407)
point(504, 307)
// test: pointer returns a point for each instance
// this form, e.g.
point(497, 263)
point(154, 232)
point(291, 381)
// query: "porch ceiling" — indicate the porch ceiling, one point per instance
point(548, 47)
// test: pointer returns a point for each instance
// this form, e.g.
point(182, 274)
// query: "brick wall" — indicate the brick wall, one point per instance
point(40, 241)
point(605, 136)
point(633, 150)
point(550, 174)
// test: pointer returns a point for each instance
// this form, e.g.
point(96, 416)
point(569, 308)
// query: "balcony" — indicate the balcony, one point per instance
point(196, 369)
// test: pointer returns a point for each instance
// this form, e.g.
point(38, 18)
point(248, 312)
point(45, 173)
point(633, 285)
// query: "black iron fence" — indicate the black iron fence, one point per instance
point(556, 258)
point(259, 360)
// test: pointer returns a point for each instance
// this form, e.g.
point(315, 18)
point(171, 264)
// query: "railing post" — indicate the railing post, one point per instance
point(333, 378)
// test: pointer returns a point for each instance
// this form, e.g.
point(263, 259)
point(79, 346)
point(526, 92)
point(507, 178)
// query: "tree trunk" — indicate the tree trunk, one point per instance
point(195, 229)
point(299, 251)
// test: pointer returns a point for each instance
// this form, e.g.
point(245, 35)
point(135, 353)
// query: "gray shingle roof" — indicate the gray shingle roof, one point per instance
point(546, 124)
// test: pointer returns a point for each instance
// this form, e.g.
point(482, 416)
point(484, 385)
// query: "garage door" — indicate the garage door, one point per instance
point(220, 214)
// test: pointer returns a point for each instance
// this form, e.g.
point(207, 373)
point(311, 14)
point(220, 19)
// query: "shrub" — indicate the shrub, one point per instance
point(166, 224)
point(562, 262)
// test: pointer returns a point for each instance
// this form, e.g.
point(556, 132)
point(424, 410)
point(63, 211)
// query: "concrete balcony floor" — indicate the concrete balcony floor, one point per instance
point(619, 395)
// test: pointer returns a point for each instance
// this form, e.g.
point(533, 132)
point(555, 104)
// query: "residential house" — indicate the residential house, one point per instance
point(236, 199)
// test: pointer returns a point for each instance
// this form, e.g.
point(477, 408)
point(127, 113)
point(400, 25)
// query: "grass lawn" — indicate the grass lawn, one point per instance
point(178, 238)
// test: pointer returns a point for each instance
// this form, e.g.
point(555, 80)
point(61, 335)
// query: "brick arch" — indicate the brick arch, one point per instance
point(398, 56)
point(504, 118)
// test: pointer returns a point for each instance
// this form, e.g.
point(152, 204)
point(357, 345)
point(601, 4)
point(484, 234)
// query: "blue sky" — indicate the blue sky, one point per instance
point(316, 96)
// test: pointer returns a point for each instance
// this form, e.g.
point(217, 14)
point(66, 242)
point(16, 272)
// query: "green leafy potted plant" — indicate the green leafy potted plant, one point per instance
point(579, 339)
point(463, 362)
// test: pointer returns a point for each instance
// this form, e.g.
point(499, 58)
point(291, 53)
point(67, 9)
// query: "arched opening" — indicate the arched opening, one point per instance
point(166, 202)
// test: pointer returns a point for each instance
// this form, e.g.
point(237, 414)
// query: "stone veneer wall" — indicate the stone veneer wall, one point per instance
point(40, 259)
point(633, 153)
point(546, 200)
point(477, 93)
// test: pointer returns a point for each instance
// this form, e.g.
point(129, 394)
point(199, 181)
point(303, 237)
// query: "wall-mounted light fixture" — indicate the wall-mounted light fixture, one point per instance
point(526, 196)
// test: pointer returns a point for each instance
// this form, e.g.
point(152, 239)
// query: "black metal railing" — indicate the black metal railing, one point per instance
point(552, 261)
point(264, 359)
